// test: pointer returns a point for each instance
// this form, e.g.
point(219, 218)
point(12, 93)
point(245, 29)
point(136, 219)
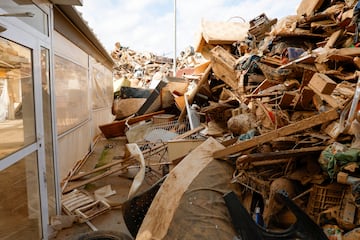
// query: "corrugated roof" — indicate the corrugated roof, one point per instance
point(79, 22)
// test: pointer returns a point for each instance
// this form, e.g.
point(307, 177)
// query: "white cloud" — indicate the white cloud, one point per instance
point(148, 25)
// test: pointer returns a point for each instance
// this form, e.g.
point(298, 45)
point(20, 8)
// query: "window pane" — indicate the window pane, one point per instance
point(71, 86)
point(49, 154)
point(102, 89)
point(17, 122)
point(20, 201)
point(38, 19)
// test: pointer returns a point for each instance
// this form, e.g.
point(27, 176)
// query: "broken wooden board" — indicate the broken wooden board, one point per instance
point(264, 85)
point(162, 209)
point(180, 103)
point(77, 184)
point(308, 7)
point(281, 132)
point(279, 155)
point(200, 69)
point(333, 38)
point(344, 52)
point(202, 47)
point(192, 95)
point(105, 167)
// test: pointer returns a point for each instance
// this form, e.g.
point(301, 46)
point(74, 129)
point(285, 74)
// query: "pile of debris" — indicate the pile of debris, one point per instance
point(136, 74)
point(138, 68)
point(283, 98)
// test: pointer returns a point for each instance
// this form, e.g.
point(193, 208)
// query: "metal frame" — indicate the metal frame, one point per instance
point(24, 35)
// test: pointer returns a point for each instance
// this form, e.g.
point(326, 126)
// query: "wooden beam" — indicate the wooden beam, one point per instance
point(254, 157)
point(281, 132)
point(76, 184)
point(191, 97)
point(106, 166)
point(270, 162)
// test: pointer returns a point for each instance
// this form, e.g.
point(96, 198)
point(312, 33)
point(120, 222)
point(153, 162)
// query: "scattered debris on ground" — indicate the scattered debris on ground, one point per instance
point(281, 97)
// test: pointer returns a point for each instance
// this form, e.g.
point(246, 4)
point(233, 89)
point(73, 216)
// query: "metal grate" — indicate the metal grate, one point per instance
point(172, 126)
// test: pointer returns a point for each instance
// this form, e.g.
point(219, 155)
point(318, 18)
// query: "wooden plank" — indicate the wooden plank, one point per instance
point(279, 155)
point(353, 52)
point(281, 132)
point(162, 210)
point(74, 185)
point(336, 53)
point(191, 97)
point(333, 38)
point(106, 166)
point(270, 162)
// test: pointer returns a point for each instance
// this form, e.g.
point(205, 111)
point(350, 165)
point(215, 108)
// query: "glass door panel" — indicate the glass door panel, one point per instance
point(17, 117)
point(20, 216)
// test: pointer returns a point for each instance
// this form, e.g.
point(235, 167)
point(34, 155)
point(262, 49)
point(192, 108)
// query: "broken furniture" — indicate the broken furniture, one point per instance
point(83, 206)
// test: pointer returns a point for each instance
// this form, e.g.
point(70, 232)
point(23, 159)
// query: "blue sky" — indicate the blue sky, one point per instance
point(148, 25)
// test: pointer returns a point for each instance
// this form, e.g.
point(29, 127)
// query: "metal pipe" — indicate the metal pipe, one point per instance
point(174, 60)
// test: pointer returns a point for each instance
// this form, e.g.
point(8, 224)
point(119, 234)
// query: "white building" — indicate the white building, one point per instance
point(55, 89)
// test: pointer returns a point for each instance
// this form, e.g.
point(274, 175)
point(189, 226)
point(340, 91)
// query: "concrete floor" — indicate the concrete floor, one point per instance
point(106, 151)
